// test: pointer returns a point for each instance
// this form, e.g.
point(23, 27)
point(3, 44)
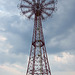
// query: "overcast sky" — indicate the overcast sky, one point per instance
point(16, 36)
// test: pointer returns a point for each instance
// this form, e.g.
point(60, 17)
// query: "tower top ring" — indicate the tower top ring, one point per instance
point(43, 8)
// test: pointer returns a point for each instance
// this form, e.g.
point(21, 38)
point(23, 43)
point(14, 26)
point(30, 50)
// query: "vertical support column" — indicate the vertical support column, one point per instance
point(35, 26)
point(40, 50)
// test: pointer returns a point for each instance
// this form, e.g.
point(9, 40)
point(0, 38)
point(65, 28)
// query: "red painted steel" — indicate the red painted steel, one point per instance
point(38, 61)
point(38, 9)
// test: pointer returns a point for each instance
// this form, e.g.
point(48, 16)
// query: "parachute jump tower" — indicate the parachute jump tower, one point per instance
point(38, 10)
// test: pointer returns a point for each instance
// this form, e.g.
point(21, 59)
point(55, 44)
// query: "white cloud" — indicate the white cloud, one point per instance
point(2, 29)
point(10, 8)
point(13, 64)
point(4, 46)
point(4, 13)
point(65, 59)
point(2, 38)
point(9, 46)
point(11, 69)
point(64, 73)
point(13, 58)
point(62, 62)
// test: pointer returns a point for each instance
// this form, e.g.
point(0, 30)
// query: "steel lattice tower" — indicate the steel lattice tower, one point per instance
point(38, 10)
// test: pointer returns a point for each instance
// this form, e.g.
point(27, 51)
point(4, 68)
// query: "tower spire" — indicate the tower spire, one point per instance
point(38, 10)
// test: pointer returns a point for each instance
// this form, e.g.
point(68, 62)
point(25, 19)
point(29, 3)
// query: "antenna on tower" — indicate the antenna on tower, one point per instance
point(38, 10)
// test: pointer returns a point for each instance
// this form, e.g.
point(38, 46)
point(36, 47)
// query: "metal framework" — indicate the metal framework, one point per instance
point(38, 10)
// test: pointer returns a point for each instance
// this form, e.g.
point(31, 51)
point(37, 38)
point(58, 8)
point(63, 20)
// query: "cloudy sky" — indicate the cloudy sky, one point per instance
point(16, 36)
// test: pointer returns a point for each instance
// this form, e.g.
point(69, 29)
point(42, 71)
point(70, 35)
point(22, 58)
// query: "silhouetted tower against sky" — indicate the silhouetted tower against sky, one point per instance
point(38, 10)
